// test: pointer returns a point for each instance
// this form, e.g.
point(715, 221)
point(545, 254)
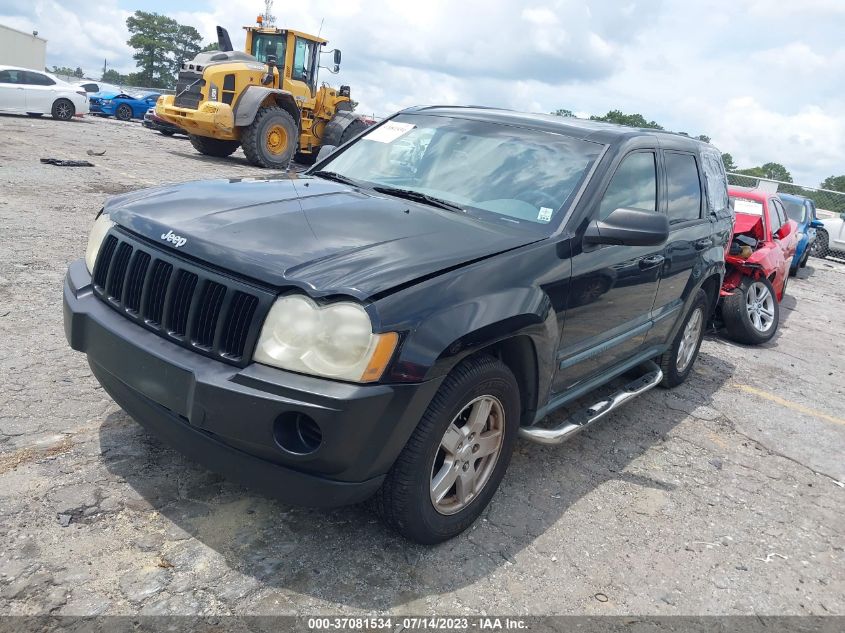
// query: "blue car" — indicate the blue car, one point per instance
point(803, 211)
point(121, 105)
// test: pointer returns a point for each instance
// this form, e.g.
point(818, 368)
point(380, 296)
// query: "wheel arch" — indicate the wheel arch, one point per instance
point(254, 97)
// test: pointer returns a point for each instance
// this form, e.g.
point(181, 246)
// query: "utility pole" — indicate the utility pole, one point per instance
point(105, 67)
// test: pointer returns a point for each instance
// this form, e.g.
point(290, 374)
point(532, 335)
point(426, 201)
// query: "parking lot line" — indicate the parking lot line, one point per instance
point(800, 408)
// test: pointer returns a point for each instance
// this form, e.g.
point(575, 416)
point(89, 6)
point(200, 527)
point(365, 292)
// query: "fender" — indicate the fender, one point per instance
point(251, 99)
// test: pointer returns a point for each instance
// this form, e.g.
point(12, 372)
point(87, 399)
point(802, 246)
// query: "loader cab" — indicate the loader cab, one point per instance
point(297, 55)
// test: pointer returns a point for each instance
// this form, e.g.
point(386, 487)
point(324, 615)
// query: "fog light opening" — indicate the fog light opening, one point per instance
point(297, 433)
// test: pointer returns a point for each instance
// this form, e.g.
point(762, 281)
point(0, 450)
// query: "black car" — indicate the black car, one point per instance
point(389, 322)
point(154, 122)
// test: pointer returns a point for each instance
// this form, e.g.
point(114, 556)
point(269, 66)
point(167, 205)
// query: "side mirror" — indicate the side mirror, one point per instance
point(325, 152)
point(784, 231)
point(817, 224)
point(629, 227)
point(336, 57)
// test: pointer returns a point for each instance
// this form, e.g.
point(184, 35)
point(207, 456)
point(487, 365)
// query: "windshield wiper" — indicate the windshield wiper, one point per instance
point(417, 196)
point(333, 175)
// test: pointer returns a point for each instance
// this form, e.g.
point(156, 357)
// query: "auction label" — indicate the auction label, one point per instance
point(389, 132)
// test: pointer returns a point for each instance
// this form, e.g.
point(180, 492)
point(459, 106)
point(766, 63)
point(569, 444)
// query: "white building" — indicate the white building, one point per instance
point(22, 49)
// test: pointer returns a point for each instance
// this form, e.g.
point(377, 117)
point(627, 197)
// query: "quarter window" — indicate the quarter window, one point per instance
point(778, 215)
point(684, 191)
point(633, 186)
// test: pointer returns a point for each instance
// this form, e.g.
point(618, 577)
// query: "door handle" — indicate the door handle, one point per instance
point(651, 261)
point(701, 244)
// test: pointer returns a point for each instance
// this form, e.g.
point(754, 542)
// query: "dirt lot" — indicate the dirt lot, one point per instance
point(723, 496)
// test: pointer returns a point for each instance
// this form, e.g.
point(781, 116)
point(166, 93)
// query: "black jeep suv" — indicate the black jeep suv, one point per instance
point(389, 322)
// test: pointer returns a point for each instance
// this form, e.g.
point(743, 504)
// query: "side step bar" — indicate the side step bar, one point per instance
point(584, 418)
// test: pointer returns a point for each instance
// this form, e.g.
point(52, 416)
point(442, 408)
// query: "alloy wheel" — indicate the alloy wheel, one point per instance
point(467, 454)
point(760, 305)
point(689, 340)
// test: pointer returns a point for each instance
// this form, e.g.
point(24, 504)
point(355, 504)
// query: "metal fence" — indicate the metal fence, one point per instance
point(132, 90)
point(830, 209)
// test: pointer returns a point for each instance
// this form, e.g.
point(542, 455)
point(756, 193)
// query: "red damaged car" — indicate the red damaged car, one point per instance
point(757, 260)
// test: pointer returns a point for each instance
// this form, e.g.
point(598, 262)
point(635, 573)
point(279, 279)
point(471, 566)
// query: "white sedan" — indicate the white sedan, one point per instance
point(24, 91)
point(831, 237)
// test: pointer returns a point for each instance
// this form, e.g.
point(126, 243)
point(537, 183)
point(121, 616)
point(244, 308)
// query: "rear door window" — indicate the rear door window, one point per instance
point(37, 79)
point(633, 186)
point(715, 180)
point(684, 187)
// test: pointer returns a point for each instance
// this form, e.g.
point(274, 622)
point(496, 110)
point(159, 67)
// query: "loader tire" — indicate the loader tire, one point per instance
point(213, 146)
point(271, 139)
point(343, 126)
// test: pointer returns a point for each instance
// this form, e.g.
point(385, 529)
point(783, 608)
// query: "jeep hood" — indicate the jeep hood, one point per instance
point(325, 237)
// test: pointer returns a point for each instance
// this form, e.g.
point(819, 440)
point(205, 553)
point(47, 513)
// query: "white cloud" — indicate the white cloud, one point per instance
point(760, 79)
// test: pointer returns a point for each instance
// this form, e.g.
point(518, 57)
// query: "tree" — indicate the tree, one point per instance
point(63, 70)
point(834, 183)
point(187, 42)
point(214, 46)
point(772, 171)
point(562, 112)
point(631, 120)
point(703, 137)
point(152, 38)
point(113, 77)
point(729, 162)
point(78, 73)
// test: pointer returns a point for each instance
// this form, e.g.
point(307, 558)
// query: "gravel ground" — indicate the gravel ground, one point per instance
point(723, 496)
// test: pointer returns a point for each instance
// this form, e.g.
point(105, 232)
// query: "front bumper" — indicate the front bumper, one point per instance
point(226, 417)
point(213, 119)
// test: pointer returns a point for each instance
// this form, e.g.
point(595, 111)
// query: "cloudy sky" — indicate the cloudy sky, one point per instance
point(764, 78)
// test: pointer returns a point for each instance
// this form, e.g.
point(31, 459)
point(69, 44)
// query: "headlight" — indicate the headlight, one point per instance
point(105, 102)
point(95, 239)
point(335, 341)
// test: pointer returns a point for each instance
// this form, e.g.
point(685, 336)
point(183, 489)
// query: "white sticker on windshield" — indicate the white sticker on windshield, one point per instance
point(545, 214)
point(749, 207)
point(389, 132)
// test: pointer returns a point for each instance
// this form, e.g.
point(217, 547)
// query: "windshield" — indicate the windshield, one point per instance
point(263, 42)
point(795, 209)
point(495, 172)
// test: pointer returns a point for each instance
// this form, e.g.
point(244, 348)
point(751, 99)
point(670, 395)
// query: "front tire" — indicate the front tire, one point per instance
point(457, 456)
point(678, 360)
point(271, 139)
point(213, 146)
point(751, 314)
point(123, 112)
point(63, 110)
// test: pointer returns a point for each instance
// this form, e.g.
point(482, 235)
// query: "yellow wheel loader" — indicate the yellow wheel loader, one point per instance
point(266, 100)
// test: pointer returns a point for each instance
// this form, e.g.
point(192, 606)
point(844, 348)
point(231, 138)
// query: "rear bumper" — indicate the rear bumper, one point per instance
point(227, 418)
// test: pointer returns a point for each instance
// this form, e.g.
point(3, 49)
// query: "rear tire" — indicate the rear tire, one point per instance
point(213, 146)
point(123, 112)
point(63, 110)
point(271, 139)
point(467, 483)
point(736, 312)
point(679, 359)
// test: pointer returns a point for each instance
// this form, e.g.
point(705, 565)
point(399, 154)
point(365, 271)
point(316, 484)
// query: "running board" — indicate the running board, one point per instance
point(584, 418)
